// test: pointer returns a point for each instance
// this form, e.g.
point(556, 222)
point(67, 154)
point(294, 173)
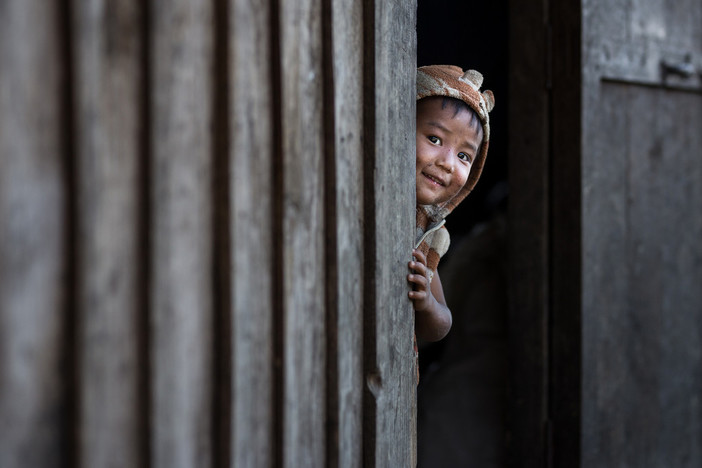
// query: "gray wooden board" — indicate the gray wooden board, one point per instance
point(665, 277)
point(32, 237)
point(347, 263)
point(107, 82)
point(252, 161)
point(645, 366)
point(181, 285)
point(304, 345)
point(642, 231)
point(391, 379)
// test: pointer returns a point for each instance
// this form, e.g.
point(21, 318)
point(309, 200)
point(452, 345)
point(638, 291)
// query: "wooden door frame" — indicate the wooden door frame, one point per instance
point(545, 233)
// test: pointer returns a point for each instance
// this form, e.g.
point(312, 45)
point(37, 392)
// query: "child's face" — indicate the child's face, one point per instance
point(447, 145)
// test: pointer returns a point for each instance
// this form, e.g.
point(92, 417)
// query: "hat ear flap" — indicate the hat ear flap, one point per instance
point(489, 99)
point(473, 77)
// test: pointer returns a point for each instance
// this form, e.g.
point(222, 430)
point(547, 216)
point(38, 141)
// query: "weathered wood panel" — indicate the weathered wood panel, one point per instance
point(642, 231)
point(223, 245)
point(390, 192)
point(252, 187)
point(301, 163)
point(108, 77)
point(33, 230)
point(646, 408)
point(180, 42)
point(345, 221)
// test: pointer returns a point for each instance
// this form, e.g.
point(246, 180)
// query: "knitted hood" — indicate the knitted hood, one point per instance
point(452, 81)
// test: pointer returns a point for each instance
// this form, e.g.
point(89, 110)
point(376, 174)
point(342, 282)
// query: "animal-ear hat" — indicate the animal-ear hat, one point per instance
point(452, 81)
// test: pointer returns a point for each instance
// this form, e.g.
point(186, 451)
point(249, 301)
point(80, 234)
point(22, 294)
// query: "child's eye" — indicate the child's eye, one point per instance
point(434, 139)
point(464, 157)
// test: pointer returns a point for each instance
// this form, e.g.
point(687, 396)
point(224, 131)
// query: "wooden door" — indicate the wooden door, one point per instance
point(606, 216)
point(207, 213)
point(642, 234)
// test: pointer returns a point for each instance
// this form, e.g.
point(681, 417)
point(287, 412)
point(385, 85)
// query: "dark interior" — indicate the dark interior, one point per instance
point(462, 395)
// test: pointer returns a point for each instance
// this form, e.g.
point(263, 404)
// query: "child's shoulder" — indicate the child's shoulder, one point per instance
point(439, 240)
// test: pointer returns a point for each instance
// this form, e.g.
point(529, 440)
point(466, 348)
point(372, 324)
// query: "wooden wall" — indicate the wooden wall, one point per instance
point(207, 209)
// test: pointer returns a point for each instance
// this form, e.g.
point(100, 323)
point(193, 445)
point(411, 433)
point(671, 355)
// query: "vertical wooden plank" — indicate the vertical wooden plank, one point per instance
point(604, 242)
point(390, 373)
point(181, 303)
point(108, 76)
point(665, 274)
point(252, 162)
point(604, 232)
point(529, 237)
point(304, 346)
point(345, 330)
point(644, 373)
point(32, 237)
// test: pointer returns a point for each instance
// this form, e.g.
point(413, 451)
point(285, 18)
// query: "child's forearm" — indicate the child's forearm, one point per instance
point(434, 322)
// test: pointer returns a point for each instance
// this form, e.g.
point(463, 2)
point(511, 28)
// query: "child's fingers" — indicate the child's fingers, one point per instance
point(419, 256)
point(419, 280)
point(419, 268)
point(417, 295)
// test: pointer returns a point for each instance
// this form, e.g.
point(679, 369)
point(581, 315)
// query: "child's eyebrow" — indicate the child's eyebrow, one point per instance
point(470, 145)
point(438, 125)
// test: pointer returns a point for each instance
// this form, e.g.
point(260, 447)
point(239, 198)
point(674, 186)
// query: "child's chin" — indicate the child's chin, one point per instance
point(429, 201)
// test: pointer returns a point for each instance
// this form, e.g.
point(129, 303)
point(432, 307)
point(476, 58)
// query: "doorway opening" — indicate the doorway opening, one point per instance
point(462, 395)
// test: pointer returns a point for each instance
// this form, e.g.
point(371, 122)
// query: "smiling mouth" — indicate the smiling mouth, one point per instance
point(434, 180)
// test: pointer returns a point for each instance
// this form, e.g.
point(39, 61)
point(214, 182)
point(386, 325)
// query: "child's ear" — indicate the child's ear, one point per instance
point(489, 99)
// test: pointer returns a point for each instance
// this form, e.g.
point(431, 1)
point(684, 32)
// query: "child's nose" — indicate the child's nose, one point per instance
point(446, 160)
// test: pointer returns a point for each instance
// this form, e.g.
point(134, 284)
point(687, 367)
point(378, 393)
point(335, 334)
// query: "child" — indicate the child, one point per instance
point(453, 130)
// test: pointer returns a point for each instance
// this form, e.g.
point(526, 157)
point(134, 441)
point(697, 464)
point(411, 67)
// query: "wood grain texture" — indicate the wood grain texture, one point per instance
point(32, 237)
point(108, 104)
point(181, 281)
point(390, 373)
point(642, 205)
point(304, 339)
point(252, 162)
point(649, 313)
point(345, 331)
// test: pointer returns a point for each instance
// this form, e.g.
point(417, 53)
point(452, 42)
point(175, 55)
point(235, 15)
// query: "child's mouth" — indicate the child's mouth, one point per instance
point(433, 180)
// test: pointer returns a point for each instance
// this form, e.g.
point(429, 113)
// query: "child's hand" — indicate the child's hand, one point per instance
point(432, 317)
point(421, 295)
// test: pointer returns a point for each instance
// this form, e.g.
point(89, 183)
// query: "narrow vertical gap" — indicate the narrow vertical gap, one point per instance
point(548, 384)
point(72, 251)
point(548, 321)
point(330, 244)
point(369, 235)
point(564, 360)
point(277, 193)
point(145, 243)
point(221, 243)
